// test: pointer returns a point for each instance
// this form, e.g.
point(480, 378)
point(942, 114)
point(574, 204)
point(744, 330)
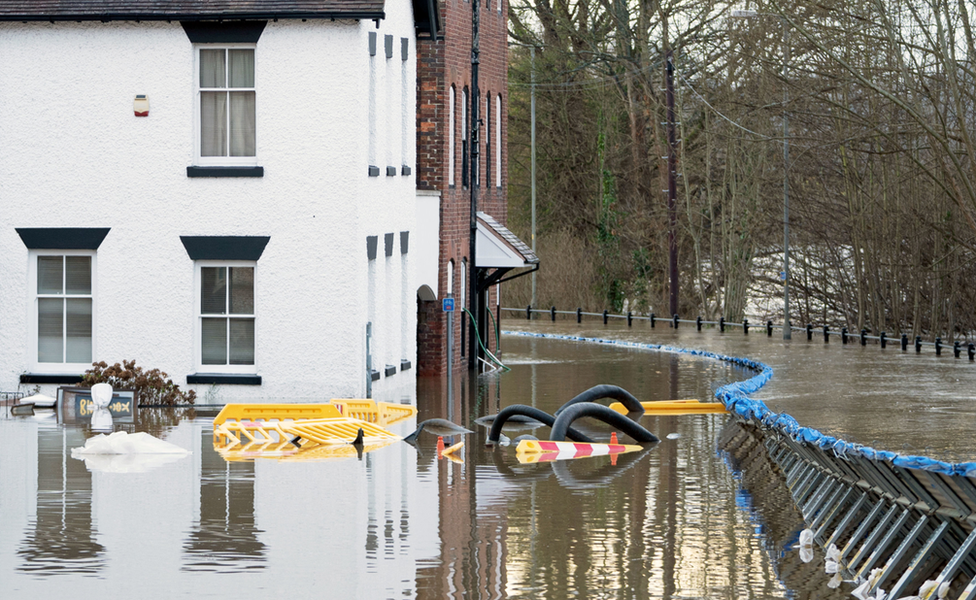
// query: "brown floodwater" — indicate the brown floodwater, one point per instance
point(695, 516)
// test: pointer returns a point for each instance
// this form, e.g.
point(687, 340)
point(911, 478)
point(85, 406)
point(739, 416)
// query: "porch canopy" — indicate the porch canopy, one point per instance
point(499, 251)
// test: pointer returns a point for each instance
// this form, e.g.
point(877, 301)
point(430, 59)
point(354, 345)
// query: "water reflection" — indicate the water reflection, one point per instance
point(672, 521)
point(224, 538)
point(61, 536)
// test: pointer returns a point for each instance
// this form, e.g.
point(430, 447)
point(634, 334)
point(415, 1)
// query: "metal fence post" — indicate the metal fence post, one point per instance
point(918, 343)
point(809, 332)
point(675, 319)
point(698, 322)
point(528, 313)
point(652, 320)
point(843, 335)
point(956, 349)
point(745, 326)
point(884, 339)
point(938, 346)
point(552, 311)
point(864, 337)
point(904, 342)
point(604, 317)
point(721, 324)
point(769, 329)
point(826, 334)
point(579, 314)
point(630, 318)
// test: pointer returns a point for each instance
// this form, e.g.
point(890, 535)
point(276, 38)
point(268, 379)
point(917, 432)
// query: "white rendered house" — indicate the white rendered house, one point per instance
point(222, 190)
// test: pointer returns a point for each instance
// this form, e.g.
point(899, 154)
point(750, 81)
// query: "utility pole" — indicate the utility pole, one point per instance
point(672, 186)
point(532, 110)
point(474, 183)
point(787, 331)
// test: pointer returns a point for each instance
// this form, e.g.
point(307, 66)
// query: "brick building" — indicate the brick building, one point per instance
point(444, 138)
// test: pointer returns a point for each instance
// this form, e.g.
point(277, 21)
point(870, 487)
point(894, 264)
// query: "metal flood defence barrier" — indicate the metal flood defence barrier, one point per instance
point(891, 521)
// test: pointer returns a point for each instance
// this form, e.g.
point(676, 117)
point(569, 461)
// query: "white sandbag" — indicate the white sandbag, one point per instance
point(121, 442)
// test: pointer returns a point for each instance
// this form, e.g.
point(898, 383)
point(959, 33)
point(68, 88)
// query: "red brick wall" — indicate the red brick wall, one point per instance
point(442, 64)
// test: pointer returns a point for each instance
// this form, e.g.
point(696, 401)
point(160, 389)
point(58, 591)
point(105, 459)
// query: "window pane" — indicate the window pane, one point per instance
point(77, 275)
point(241, 68)
point(213, 123)
point(242, 341)
point(79, 329)
point(242, 124)
point(241, 291)
point(49, 330)
point(212, 69)
point(213, 334)
point(49, 274)
point(213, 293)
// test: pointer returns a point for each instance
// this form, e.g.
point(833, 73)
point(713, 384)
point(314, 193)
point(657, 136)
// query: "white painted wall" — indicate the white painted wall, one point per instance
point(72, 154)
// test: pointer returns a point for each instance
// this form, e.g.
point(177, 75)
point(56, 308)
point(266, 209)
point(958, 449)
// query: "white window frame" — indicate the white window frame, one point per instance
point(498, 140)
point(198, 265)
point(221, 161)
point(63, 367)
point(452, 147)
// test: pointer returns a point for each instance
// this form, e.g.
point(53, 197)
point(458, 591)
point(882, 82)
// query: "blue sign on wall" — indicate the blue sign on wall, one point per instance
point(447, 305)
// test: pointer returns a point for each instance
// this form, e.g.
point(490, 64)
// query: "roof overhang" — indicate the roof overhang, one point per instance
point(496, 247)
point(189, 10)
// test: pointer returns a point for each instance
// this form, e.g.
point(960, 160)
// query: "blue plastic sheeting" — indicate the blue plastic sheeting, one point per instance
point(736, 400)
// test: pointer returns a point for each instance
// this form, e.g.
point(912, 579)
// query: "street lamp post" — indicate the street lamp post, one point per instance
point(751, 14)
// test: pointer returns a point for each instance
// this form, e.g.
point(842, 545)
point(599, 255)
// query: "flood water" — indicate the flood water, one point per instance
point(690, 517)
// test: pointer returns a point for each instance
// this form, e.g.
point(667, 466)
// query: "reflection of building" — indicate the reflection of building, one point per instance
point(61, 536)
point(224, 537)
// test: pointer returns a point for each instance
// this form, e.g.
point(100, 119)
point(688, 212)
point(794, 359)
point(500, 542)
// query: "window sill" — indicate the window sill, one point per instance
point(404, 365)
point(225, 171)
point(49, 378)
point(223, 379)
point(374, 375)
point(390, 370)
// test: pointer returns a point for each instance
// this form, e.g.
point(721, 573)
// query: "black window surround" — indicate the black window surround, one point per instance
point(223, 379)
point(223, 32)
point(195, 171)
point(38, 378)
point(62, 238)
point(224, 247)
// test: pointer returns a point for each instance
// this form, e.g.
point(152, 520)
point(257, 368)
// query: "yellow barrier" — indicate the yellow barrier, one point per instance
point(381, 413)
point(246, 431)
point(267, 412)
point(675, 407)
point(339, 430)
point(290, 452)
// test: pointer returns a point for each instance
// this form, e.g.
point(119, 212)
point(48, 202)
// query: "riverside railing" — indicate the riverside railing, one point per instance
point(958, 348)
point(882, 517)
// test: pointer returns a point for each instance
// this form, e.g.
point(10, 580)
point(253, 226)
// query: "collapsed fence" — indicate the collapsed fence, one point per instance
point(811, 331)
point(883, 517)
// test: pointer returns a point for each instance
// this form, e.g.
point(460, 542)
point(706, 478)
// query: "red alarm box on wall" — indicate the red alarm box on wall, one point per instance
point(141, 105)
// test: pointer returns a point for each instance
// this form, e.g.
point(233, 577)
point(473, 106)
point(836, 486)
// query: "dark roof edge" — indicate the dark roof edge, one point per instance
point(237, 16)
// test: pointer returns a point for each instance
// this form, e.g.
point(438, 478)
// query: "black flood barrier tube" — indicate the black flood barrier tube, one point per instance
point(611, 417)
point(605, 390)
point(539, 415)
